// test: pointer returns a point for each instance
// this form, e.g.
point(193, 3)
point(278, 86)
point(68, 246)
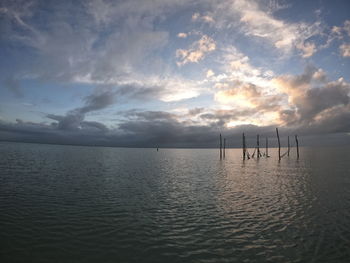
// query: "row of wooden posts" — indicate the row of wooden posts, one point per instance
point(257, 148)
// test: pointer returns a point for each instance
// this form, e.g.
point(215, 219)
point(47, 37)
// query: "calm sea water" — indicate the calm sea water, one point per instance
point(92, 204)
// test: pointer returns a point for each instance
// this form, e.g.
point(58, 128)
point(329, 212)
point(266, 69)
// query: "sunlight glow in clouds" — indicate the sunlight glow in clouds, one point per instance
point(104, 71)
point(197, 51)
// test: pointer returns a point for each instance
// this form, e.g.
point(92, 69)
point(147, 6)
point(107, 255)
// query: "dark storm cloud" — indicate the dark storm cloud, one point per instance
point(151, 129)
point(97, 101)
point(316, 100)
point(102, 98)
point(221, 117)
point(170, 132)
point(71, 121)
point(161, 128)
point(148, 129)
point(319, 99)
point(334, 120)
point(74, 119)
point(195, 111)
point(20, 130)
point(148, 115)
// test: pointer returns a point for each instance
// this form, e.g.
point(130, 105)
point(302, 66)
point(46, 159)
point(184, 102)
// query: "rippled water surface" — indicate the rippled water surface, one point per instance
point(92, 204)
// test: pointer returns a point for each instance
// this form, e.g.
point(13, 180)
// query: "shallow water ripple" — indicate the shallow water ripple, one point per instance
point(86, 204)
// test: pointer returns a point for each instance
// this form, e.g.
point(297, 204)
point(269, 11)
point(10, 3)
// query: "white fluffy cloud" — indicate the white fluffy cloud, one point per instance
point(182, 35)
point(203, 18)
point(345, 50)
point(197, 51)
point(307, 48)
point(138, 52)
point(257, 20)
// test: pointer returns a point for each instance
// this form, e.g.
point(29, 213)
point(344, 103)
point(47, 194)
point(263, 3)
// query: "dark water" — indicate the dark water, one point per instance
point(86, 204)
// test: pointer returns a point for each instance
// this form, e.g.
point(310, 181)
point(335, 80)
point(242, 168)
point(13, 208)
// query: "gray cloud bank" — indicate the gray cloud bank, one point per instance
point(320, 107)
point(155, 129)
point(138, 128)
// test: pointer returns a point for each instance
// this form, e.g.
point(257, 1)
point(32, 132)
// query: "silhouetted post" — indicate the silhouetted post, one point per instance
point(224, 147)
point(279, 145)
point(243, 146)
point(297, 143)
point(288, 146)
point(257, 145)
point(267, 147)
point(220, 147)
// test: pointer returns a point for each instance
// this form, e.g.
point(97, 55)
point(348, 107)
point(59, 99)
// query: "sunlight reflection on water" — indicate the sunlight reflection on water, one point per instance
point(86, 204)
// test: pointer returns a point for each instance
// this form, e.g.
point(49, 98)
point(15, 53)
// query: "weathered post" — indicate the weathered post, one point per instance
point(297, 143)
point(279, 145)
point(224, 147)
point(244, 150)
point(267, 147)
point(288, 146)
point(220, 147)
point(257, 145)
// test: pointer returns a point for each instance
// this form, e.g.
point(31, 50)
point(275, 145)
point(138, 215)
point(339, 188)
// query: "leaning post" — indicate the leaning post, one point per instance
point(224, 147)
point(267, 147)
point(220, 146)
point(244, 150)
point(279, 145)
point(257, 145)
point(297, 143)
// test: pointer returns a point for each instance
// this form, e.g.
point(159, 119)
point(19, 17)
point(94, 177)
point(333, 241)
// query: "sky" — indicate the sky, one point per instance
point(173, 73)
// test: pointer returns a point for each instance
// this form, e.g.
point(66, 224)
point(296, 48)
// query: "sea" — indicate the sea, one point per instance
point(99, 204)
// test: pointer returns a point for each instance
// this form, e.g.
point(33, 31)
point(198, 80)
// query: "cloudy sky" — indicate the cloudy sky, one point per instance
point(172, 72)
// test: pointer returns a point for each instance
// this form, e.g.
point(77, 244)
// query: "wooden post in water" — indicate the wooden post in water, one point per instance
point(288, 146)
point(297, 143)
point(220, 147)
point(279, 145)
point(267, 147)
point(257, 145)
point(244, 146)
point(224, 147)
